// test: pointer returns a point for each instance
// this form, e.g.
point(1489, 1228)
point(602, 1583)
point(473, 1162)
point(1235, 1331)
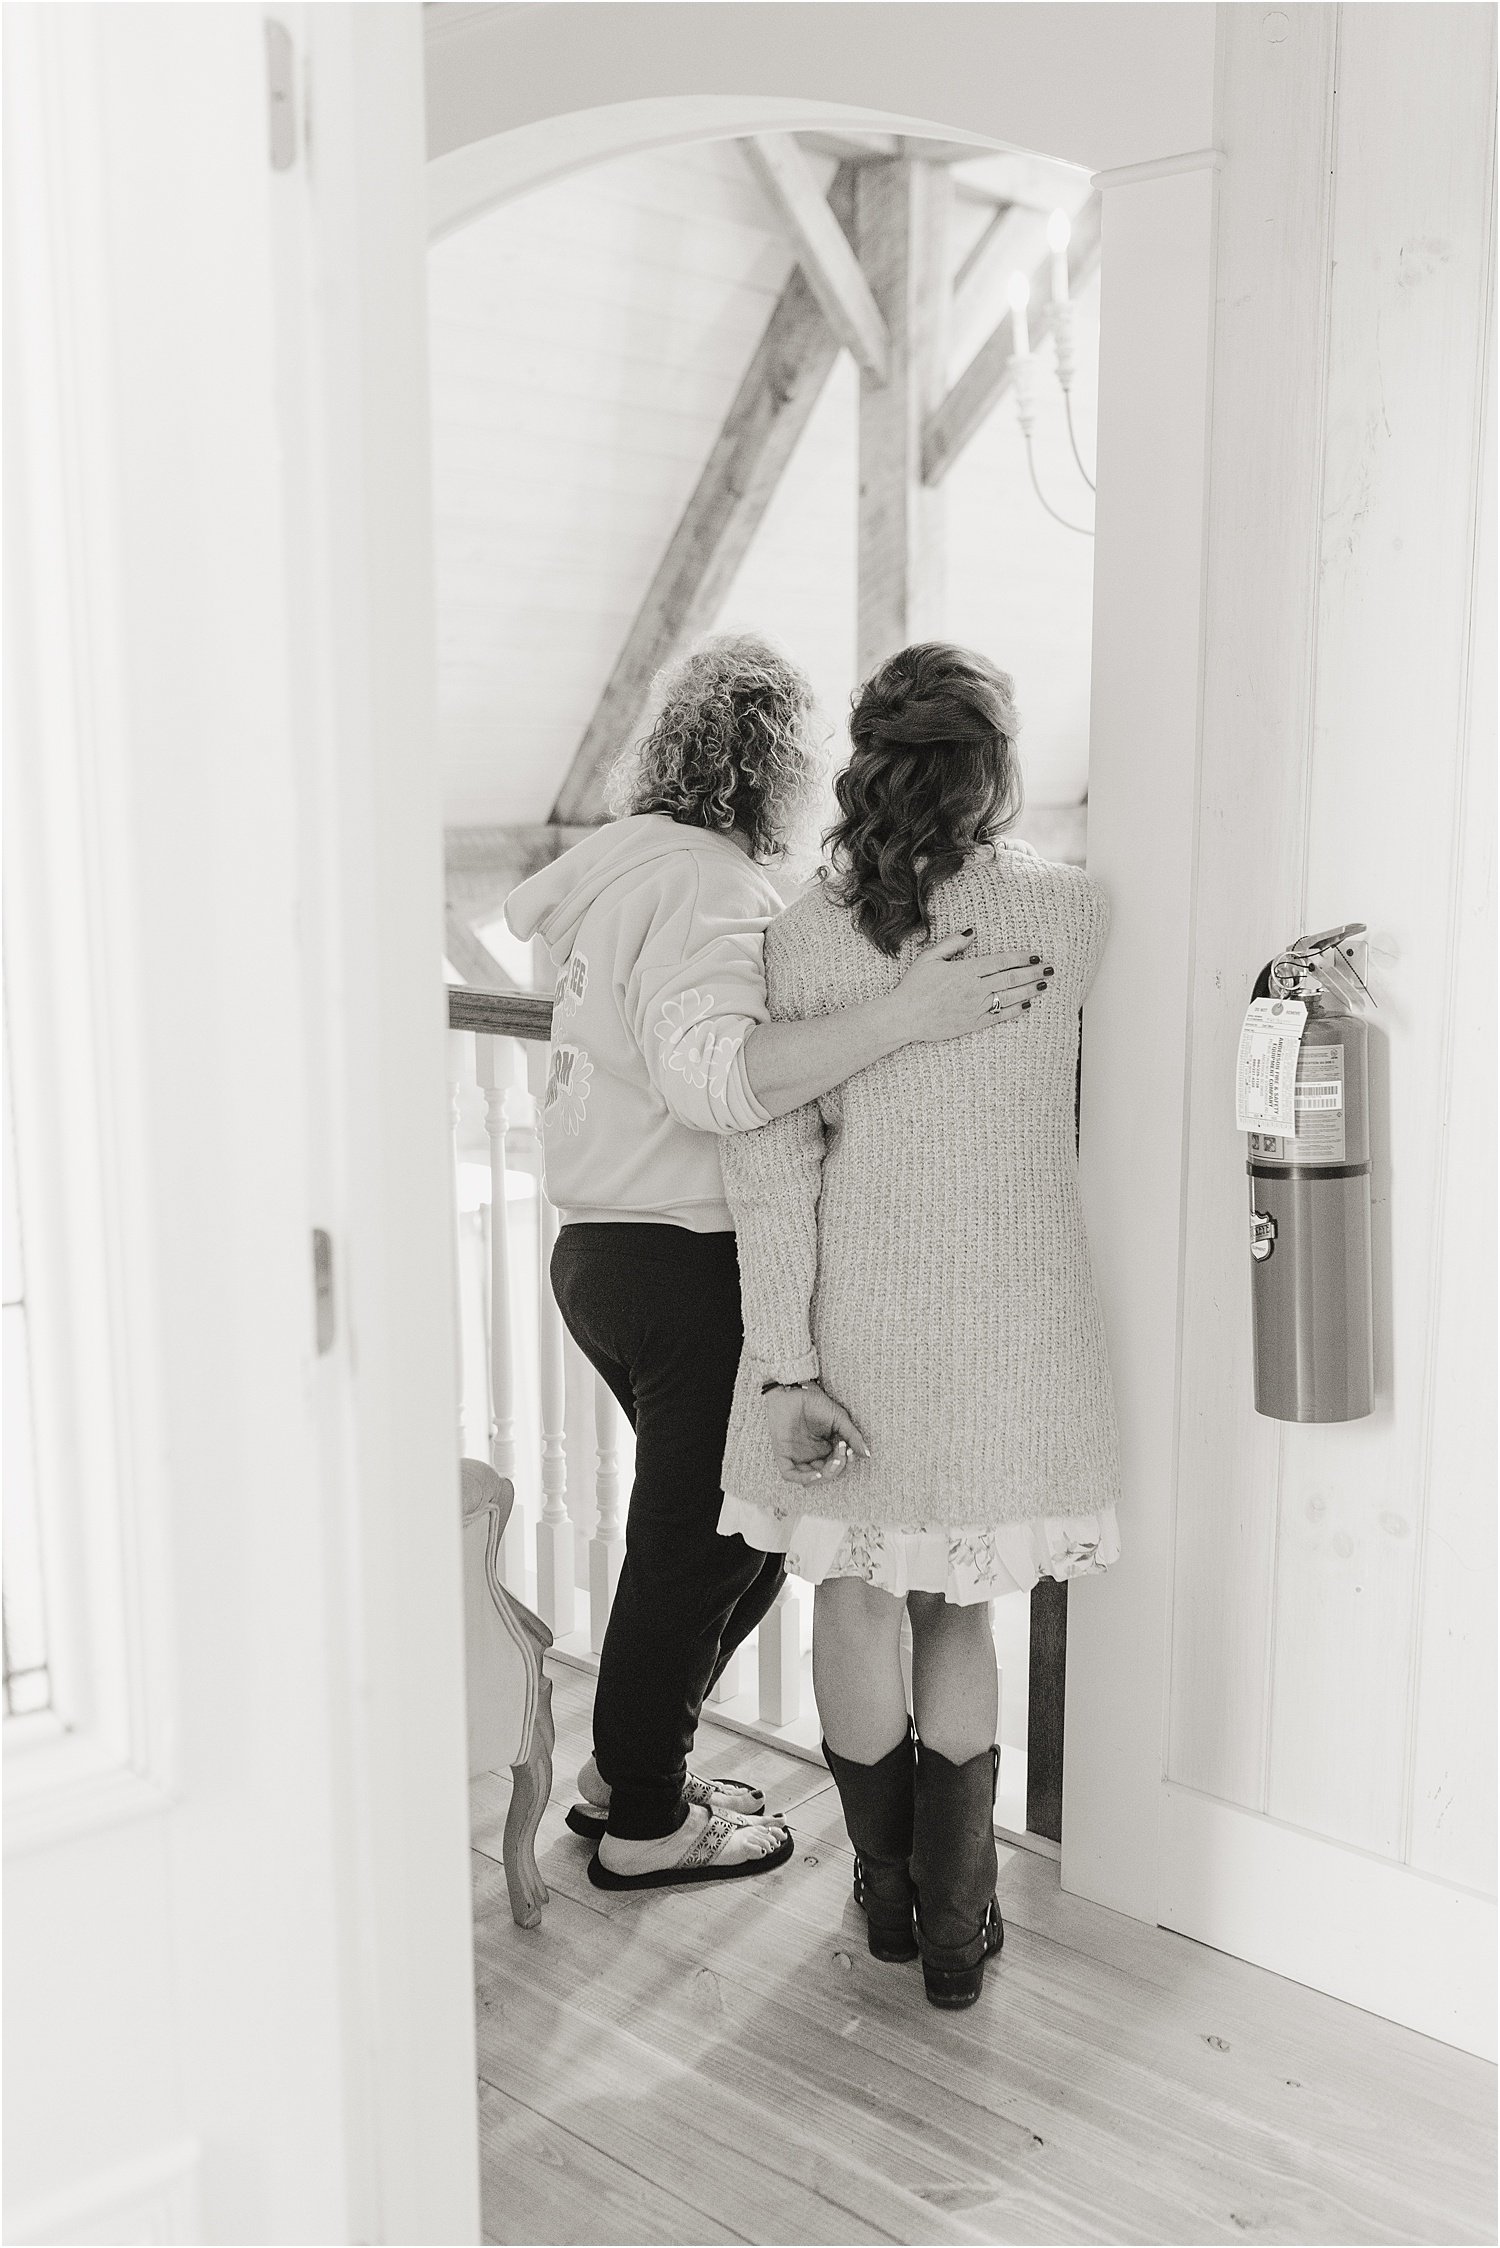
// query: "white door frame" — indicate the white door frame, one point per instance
point(240, 1854)
point(1148, 625)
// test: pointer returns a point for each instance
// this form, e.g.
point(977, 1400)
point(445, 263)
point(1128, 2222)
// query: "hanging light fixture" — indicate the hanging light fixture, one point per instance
point(1023, 362)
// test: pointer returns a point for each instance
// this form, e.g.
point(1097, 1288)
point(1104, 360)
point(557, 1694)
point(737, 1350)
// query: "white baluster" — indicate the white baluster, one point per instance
point(554, 1533)
point(607, 1546)
point(732, 1683)
point(780, 1661)
point(493, 1067)
point(458, 1074)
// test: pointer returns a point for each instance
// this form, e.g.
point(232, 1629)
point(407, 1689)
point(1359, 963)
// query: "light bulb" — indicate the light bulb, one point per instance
point(1059, 234)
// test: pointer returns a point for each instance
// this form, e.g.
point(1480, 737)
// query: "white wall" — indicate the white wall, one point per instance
point(1332, 1627)
point(1100, 83)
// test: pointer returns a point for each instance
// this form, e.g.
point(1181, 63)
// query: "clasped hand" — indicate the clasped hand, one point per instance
point(811, 1435)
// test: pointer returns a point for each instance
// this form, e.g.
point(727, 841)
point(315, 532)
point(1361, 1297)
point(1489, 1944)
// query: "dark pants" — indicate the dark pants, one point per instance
point(657, 1311)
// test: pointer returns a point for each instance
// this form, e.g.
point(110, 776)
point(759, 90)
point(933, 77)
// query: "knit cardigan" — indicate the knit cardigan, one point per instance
point(915, 1238)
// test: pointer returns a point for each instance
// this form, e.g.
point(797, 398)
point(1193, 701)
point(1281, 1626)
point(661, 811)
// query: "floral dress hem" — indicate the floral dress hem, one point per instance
point(965, 1562)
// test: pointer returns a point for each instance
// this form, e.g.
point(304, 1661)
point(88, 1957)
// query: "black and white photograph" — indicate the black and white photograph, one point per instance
point(749, 1091)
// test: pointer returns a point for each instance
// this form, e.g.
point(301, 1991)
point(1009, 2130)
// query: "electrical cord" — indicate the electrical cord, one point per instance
point(1083, 529)
point(1073, 441)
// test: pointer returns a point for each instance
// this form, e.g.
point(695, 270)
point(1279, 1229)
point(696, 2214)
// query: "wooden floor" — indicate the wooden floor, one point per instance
point(729, 2064)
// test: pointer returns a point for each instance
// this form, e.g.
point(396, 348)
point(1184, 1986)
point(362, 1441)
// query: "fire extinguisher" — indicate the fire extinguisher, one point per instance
point(1310, 1197)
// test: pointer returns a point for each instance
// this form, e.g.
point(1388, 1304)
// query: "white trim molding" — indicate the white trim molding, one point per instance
point(85, 1179)
point(155, 2198)
point(1360, 1927)
point(466, 181)
point(1160, 168)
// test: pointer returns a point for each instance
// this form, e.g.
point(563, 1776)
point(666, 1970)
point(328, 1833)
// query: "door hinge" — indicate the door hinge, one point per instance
point(281, 93)
point(323, 1289)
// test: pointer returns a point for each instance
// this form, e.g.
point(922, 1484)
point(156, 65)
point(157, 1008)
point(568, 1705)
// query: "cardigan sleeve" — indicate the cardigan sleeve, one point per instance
point(1097, 936)
point(772, 1179)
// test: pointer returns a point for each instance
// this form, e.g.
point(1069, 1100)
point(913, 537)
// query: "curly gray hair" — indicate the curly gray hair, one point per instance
point(735, 743)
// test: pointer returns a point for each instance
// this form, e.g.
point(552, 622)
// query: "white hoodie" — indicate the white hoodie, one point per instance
point(657, 930)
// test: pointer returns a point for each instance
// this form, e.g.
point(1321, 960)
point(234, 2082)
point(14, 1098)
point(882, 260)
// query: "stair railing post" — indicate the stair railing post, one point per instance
point(493, 1065)
point(460, 1046)
point(779, 1661)
point(731, 1682)
point(555, 1553)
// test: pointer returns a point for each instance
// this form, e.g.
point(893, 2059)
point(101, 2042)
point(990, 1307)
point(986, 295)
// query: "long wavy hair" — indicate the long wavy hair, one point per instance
point(932, 776)
point(735, 743)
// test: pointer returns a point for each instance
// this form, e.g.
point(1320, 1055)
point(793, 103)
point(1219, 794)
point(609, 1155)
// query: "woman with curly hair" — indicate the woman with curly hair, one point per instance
point(913, 1258)
point(662, 1047)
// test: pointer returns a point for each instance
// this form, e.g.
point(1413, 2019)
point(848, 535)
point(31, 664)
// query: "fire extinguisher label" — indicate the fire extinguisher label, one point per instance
point(1266, 1066)
point(1319, 1099)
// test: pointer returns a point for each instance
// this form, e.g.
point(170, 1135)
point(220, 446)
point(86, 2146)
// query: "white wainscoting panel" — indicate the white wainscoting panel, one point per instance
point(1379, 1935)
point(1451, 1786)
point(1264, 470)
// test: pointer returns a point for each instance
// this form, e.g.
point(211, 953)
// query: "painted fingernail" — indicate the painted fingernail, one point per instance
point(1049, 971)
point(966, 932)
point(1041, 987)
point(1025, 1003)
point(1036, 960)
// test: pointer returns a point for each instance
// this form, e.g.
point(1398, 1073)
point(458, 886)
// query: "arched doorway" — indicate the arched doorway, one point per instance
point(507, 113)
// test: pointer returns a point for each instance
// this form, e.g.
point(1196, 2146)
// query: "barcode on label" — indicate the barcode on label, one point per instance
point(1319, 1099)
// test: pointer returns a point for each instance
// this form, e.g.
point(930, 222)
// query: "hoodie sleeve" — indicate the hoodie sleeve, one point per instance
point(694, 999)
point(773, 1180)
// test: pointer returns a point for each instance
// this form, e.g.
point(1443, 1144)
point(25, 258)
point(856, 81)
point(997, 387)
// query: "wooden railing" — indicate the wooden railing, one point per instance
point(531, 1405)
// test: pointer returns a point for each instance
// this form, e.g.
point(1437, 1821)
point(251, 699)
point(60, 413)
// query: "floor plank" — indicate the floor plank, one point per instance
point(733, 2050)
point(666, 2116)
point(540, 2181)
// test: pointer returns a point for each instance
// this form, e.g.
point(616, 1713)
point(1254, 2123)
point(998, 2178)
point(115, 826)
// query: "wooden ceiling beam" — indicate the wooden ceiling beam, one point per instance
point(902, 235)
point(988, 375)
point(771, 408)
point(481, 866)
point(822, 249)
point(993, 250)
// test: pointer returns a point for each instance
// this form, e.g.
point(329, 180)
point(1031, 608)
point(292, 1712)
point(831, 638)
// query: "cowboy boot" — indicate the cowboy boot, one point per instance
point(877, 1801)
point(953, 1868)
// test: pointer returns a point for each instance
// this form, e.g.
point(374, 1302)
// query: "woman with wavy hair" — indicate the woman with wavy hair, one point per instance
point(661, 1047)
point(924, 1353)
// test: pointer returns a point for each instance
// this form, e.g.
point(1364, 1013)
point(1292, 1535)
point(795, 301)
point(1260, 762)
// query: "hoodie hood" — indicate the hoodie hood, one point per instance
point(552, 903)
